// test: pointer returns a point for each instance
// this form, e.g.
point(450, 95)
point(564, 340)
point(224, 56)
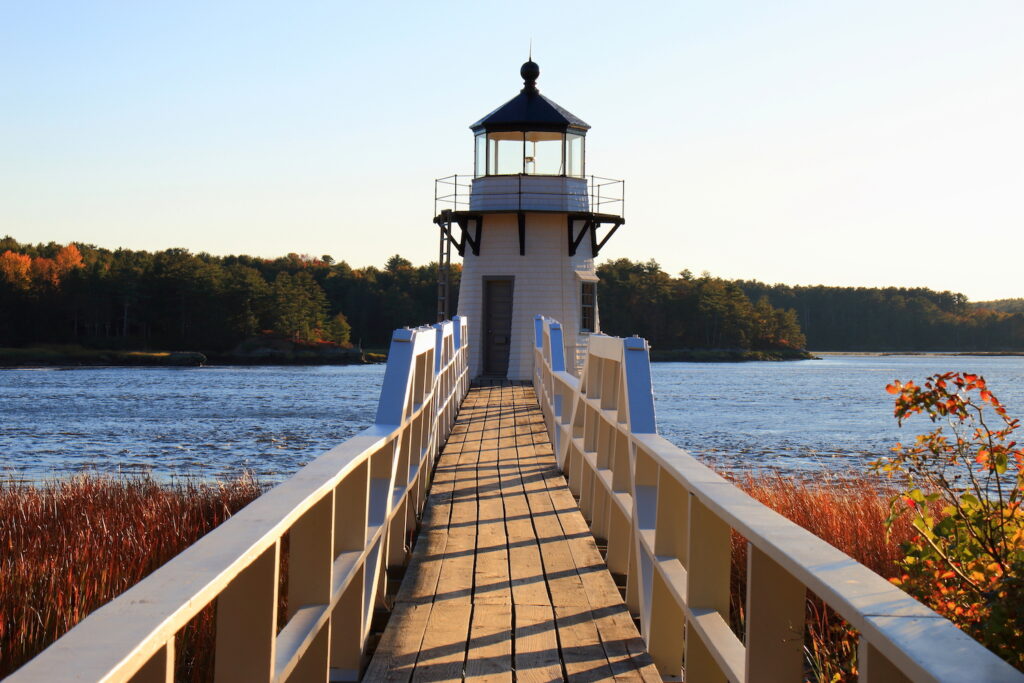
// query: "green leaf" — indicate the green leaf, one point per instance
point(945, 527)
point(922, 526)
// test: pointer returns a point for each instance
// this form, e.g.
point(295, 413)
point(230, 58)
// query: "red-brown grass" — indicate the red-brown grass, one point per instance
point(69, 546)
point(846, 512)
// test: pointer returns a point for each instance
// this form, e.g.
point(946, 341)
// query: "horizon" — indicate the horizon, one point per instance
point(857, 145)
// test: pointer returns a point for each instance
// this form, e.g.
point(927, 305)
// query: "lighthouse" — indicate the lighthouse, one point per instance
point(528, 224)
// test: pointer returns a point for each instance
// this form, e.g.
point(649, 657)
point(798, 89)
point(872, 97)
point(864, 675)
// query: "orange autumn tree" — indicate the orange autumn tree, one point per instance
point(16, 269)
point(23, 272)
point(964, 487)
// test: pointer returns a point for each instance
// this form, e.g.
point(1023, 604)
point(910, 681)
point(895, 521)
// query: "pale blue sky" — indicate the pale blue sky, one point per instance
point(848, 143)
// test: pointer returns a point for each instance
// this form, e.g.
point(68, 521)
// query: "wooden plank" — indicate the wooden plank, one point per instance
point(582, 652)
point(399, 647)
point(443, 650)
point(537, 653)
point(489, 656)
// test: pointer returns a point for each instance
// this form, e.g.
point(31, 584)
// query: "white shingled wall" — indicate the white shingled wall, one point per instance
point(545, 282)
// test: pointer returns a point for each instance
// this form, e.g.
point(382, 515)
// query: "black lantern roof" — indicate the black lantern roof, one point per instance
point(529, 110)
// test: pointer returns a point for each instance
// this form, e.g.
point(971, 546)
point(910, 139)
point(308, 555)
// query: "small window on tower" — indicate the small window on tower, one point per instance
point(588, 301)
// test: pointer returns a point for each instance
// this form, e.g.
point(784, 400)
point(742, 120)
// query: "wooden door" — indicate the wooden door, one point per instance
point(497, 326)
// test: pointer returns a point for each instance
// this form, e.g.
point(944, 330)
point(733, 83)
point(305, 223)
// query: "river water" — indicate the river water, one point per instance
point(798, 417)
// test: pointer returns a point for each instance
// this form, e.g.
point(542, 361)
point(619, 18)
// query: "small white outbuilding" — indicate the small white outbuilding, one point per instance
point(526, 225)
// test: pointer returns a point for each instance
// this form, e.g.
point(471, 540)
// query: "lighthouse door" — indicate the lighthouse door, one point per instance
point(497, 325)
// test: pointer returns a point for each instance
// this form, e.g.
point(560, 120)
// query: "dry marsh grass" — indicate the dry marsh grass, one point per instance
point(846, 512)
point(69, 546)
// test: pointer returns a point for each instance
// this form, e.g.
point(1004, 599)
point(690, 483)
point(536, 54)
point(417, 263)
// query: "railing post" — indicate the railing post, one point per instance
point(874, 667)
point(247, 622)
point(707, 583)
point(776, 604)
point(350, 519)
point(666, 635)
point(159, 668)
point(311, 556)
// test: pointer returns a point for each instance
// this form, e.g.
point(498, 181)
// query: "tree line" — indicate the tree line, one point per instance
point(688, 312)
point(894, 318)
point(176, 300)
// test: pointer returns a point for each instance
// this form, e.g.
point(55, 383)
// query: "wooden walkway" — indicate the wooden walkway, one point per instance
point(506, 582)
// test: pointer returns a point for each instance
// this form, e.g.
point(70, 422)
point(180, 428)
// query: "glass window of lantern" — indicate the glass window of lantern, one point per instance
point(574, 155)
point(480, 167)
point(505, 153)
point(544, 155)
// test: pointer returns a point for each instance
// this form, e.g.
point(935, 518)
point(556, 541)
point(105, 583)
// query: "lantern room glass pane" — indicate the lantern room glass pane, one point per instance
point(505, 153)
point(544, 154)
point(480, 165)
point(574, 155)
point(492, 156)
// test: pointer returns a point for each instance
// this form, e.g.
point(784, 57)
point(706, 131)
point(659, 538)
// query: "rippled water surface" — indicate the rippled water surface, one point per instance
point(209, 422)
point(219, 421)
point(805, 416)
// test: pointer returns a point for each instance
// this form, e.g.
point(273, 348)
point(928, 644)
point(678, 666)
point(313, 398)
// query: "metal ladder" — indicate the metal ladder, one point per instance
point(444, 263)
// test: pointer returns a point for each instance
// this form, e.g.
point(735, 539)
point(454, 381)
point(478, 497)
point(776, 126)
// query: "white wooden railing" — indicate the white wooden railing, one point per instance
point(348, 514)
point(667, 520)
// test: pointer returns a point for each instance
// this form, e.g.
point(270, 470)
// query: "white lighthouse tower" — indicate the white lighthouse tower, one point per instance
point(527, 228)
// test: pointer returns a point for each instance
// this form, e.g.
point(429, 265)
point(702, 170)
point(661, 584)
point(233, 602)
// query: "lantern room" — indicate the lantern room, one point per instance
point(530, 135)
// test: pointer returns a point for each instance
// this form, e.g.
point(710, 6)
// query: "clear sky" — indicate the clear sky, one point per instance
point(843, 143)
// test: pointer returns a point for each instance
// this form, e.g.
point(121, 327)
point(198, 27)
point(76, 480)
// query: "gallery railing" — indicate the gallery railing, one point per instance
point(668, 520)
point(603, 195)
point(348, 516)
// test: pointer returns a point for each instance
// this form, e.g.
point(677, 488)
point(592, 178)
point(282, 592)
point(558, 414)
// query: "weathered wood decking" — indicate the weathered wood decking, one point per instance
point(506, 582)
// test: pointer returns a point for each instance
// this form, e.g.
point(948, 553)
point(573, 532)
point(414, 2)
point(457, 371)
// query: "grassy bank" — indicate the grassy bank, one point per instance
point(725, 355)
point(70, 355)
point(277, 352)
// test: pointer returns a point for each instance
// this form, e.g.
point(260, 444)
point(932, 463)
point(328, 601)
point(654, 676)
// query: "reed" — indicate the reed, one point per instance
point(69, 546)
point(847, 512)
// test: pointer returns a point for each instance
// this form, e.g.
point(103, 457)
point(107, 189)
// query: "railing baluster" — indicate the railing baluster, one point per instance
point(707, 583)
point(247, 622)
point(159, 668)
point(776, 604)
point(347, 630)
point(311, 556)
point(665, 632)
point(874, 667)
point(667, 617)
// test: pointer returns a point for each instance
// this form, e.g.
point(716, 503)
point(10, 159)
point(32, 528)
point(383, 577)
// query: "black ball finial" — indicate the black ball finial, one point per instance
point(530, 71)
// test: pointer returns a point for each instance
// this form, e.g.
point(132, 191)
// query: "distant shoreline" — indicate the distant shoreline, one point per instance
point(727, 355)
point(920, 353)
point(78, 357)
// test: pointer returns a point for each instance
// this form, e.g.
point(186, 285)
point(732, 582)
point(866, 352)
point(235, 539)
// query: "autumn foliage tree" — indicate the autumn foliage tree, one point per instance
point(963, 493)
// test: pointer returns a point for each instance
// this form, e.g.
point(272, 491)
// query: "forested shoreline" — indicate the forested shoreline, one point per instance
point(173, 300)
